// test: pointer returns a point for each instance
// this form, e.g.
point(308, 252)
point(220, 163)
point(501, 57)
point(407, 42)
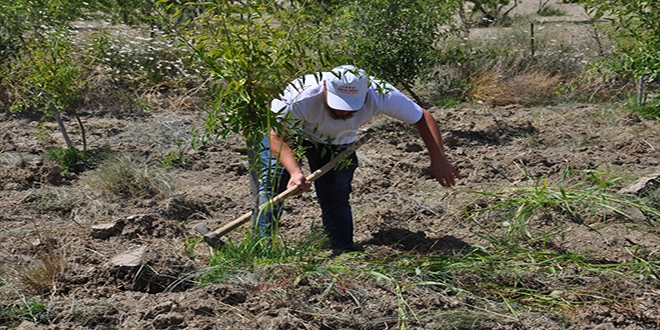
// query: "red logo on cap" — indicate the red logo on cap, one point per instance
point(348, 89)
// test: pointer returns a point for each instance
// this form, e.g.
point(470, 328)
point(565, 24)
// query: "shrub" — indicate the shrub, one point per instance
point(393, 40)
point(636, 29)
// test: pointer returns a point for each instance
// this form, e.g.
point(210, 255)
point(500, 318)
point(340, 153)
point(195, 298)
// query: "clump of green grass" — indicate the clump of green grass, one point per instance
point(253, 252)
point(133, 178)
point(74, 160)
point(70, 159)
point(28, 309)
point(649, 111)
point(589, 197)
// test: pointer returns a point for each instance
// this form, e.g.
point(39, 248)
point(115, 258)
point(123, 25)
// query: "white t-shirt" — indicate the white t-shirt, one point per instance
point(302, 102)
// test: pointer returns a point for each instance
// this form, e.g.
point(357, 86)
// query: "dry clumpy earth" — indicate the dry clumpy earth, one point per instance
point(129, 263)
point(132, 273)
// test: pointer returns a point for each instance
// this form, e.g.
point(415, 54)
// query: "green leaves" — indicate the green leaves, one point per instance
point(637, 31)
point(393, 39)
point(47, 76)
point(252, 49)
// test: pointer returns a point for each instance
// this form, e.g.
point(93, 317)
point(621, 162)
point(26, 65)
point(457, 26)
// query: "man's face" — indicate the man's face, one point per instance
point(335, 113)
point(339, 114)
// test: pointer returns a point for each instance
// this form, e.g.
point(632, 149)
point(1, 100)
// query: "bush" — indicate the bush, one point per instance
point(394, 40)
point(636, 29)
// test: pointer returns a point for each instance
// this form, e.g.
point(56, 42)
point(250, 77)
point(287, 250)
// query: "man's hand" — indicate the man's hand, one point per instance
point(445, 173)
point(298, 179)
point(441, 169)
point(285, 154)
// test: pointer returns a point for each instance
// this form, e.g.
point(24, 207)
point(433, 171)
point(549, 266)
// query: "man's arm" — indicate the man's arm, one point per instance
point(286, 156)
point(441, 169)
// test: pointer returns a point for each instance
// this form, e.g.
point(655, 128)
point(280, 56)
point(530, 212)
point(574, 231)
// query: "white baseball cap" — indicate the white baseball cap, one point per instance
point(347, 88)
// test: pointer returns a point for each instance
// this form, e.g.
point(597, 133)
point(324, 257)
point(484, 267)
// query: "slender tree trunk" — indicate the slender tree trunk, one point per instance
point(253, 148)
point(640, 91)
point(58, 118)
point(83, 134)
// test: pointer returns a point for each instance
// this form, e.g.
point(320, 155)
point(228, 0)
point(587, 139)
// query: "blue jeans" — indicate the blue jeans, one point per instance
point(332, 191)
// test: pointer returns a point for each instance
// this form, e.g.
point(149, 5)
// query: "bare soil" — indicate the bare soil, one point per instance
point(398, 210)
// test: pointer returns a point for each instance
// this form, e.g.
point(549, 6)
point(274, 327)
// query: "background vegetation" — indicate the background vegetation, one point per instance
point(64, 59)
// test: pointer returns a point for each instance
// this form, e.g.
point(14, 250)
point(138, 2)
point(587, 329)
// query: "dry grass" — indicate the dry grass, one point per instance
point(528, 89)
point(499, 66)
point(128, 177)
point(55, 199)
point(41, 276)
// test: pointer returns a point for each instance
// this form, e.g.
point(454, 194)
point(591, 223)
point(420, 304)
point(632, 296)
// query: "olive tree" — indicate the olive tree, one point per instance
point(42, 67)
point(393, 39)
point(637, 33)
point(250, 49)
point(38, 68)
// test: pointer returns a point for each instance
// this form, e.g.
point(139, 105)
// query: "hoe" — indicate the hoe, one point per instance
point(212, 238)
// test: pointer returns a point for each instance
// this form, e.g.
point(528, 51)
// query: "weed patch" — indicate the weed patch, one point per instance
point(41, 276)
point(584, 202)
point(132, 178)
point(27, 310)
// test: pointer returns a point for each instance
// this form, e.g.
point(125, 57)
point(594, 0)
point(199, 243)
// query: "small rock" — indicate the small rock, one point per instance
point(27, 325)
point(105, 230)
point(643, 185)
point(147, 203)
point(413, 147)
point(130, 259)
point(131, 321)
point(52, 173)
point(605, 326)
point(556, 294)
point(47, 243)
point(160, 309)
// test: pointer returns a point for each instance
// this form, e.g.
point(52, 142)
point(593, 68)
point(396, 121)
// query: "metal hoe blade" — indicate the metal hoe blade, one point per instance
point(210, 237)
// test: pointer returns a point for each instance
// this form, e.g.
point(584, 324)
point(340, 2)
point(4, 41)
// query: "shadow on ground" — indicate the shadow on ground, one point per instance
point(406, 240)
